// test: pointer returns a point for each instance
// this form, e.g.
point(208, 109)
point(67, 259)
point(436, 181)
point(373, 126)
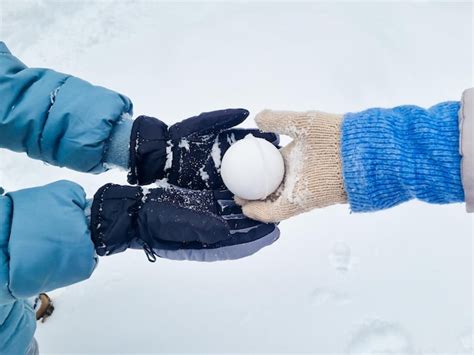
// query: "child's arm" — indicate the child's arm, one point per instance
point(68, 122)
point(58, 118)
point(45, 243)
point(47, 237)
point(375, 159)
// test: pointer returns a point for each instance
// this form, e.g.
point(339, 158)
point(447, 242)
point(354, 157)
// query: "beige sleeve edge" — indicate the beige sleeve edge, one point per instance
point(466, 146)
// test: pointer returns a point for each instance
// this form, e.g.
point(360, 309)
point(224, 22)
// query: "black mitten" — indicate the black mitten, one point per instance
point(187, 154)
point(175, 223)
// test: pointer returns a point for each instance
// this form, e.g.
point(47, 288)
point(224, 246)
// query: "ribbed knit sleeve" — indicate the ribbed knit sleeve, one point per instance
point(117, 153)
point(390, 156)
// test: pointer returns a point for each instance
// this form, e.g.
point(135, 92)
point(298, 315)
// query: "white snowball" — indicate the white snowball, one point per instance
point(252, 168)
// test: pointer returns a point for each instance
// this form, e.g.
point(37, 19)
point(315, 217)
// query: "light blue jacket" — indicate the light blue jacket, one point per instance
point(44, 236)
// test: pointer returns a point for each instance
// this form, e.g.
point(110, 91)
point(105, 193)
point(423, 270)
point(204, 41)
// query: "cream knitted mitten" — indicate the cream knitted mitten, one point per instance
point(313, 171)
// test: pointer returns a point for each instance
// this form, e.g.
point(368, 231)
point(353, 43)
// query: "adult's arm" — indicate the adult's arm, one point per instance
point(374, 159)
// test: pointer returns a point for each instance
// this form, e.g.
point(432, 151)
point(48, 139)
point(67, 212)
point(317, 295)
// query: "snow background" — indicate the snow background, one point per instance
point(395, 281)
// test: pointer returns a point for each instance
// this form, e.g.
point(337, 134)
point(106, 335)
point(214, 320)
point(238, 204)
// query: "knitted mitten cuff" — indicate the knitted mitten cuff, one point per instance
point(117, 151)
point(325, 184)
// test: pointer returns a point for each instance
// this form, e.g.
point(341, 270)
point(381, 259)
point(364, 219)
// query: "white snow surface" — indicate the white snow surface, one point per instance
point(393, 281)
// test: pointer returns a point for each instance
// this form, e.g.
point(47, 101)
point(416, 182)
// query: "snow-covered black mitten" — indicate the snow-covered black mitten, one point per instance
point(175, 223)
point(188, 154)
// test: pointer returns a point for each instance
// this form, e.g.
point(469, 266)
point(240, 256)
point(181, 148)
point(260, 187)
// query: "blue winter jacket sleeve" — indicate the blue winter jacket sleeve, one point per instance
point(45, 240)
point(393, 155)
point(57, 118)
point(45, 244)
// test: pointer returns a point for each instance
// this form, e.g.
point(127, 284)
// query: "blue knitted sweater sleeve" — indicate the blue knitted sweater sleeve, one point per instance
point(390, 156)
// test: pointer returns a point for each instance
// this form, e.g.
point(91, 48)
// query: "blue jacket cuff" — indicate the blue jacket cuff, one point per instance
point(50, 243)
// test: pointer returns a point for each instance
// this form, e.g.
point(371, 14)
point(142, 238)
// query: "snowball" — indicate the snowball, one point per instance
point(252, 168)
